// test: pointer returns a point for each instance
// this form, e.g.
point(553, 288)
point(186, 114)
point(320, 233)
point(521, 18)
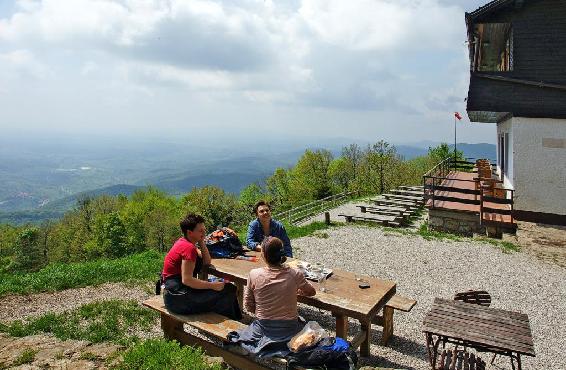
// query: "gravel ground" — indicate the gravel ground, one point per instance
point(422, 270)
point(426, 269)
point(351, 209)
point(19, 307)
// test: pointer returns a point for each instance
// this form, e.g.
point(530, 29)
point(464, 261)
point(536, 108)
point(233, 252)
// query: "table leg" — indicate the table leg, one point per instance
point(387, 325)
point(518, 361)
point(341, 326)
point(364, 347)
point(428, 338)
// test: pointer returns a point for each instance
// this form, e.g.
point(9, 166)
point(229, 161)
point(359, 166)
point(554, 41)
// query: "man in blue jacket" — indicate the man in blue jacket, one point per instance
point(264, 226)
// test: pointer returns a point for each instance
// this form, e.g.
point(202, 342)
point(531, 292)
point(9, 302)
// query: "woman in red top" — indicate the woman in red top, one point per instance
point(184, 292)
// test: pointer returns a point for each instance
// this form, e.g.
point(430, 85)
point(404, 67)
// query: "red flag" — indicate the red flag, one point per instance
point(457, 115)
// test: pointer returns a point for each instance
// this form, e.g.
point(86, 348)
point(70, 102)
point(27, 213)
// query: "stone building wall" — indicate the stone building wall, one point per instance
point(462, 223)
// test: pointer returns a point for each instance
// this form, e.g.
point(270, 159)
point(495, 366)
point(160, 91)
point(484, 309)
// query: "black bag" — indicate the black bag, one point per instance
point(224, 243)
point(322, 356)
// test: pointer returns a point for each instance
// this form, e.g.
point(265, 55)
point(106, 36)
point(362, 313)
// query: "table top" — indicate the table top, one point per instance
point(343, 296)
point(490, 327)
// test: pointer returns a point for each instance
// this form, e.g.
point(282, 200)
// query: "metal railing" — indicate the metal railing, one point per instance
point(443, 168)
point(305, 211)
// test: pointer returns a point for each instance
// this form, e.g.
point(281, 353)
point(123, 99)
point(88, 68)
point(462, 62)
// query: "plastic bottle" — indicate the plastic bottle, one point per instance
point(247, 258)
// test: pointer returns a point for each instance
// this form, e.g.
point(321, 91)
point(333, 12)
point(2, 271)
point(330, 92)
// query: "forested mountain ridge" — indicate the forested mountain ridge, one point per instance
point(35, 203)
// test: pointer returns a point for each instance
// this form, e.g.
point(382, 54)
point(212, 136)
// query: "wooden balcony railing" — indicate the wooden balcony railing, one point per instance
point(445, 182)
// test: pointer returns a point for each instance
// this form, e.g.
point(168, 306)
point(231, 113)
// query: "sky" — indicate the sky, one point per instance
point(207, 71)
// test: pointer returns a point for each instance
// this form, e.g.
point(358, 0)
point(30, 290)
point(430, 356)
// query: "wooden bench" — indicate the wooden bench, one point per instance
point(211, 324)
point(396, 222)
point(398, 302)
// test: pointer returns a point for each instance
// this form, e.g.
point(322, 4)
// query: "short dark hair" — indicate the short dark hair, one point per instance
point(273, 252)
point(190, 221)
point(261, 203)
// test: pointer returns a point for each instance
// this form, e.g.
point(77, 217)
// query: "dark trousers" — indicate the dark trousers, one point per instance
point(181, 299)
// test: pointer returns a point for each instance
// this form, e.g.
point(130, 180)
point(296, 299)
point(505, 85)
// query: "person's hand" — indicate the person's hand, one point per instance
point(218, 285)
point(258, 248)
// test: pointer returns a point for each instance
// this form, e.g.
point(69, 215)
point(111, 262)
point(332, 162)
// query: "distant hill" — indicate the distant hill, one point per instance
point(229, 182)
point(70, 201)
point(230, 172)
point(57, 209)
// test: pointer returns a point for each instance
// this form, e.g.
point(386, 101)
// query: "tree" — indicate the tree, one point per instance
point(151, 218)
point(278, 187)
point(217, 207)
point(28, 255)
point(340, 174)
point(250, 195)
point(110, 234)
point(354, 155)
point(442, 152)
point(309, 178)
point(385, 157)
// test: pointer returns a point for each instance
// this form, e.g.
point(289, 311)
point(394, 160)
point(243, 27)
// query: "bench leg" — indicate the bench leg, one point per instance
point(236, 360)
point(364, 347)
point(240, 295)
point(170, 327)
point(387, 325)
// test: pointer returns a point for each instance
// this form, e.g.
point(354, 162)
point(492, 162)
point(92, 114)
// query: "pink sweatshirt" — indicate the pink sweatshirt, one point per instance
point(272, 293)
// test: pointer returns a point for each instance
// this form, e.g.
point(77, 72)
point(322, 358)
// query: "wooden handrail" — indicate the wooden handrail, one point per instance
point(303, 211)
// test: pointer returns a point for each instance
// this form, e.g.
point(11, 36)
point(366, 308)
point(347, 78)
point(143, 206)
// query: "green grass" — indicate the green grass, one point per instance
point(157, 354)
point(136, 268)
point(27, 357)
point(104, 321)
point(300, 231)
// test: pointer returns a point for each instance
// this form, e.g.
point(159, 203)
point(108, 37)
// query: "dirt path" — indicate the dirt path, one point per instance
point(547, 242)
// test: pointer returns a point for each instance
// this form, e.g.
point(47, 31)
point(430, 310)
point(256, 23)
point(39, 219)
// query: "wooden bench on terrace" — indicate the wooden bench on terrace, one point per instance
point(211, 324)
point(218, 327)
point(386, 212)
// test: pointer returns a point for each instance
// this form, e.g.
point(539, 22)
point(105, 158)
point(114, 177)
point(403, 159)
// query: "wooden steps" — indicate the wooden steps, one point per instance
point(410, 193)
point(393, 209)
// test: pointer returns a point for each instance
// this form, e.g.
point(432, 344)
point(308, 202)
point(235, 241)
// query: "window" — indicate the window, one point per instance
point(493, 47)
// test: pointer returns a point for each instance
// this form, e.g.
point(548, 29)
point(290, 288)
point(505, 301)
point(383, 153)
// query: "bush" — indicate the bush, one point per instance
point(162, 354)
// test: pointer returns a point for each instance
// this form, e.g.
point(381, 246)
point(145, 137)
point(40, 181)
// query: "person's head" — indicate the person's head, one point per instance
point(273, 251)
point(193, 227)
point(262, 210)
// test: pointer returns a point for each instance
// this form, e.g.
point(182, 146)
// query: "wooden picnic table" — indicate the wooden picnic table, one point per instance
point(344, 298)
point(493, 330)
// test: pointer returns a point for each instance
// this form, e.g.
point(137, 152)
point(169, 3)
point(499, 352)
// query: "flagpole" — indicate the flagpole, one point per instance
point(454, 141)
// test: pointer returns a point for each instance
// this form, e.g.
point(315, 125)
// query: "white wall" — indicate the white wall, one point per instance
point(502, 128)
point(538, 167)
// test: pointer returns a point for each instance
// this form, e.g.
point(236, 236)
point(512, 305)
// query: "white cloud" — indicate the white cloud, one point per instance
point(382, 25)
point(23, 63)
point(360, 55)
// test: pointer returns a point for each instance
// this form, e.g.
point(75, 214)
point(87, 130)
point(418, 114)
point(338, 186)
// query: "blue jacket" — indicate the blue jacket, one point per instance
point(276, 228)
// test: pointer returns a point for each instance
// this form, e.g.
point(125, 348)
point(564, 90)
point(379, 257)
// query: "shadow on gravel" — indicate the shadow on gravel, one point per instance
point(399, 344)
point(382, 362)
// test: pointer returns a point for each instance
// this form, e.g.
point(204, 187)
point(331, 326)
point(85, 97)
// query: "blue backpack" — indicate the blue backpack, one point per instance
point(224, 243)
point(329, 353)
